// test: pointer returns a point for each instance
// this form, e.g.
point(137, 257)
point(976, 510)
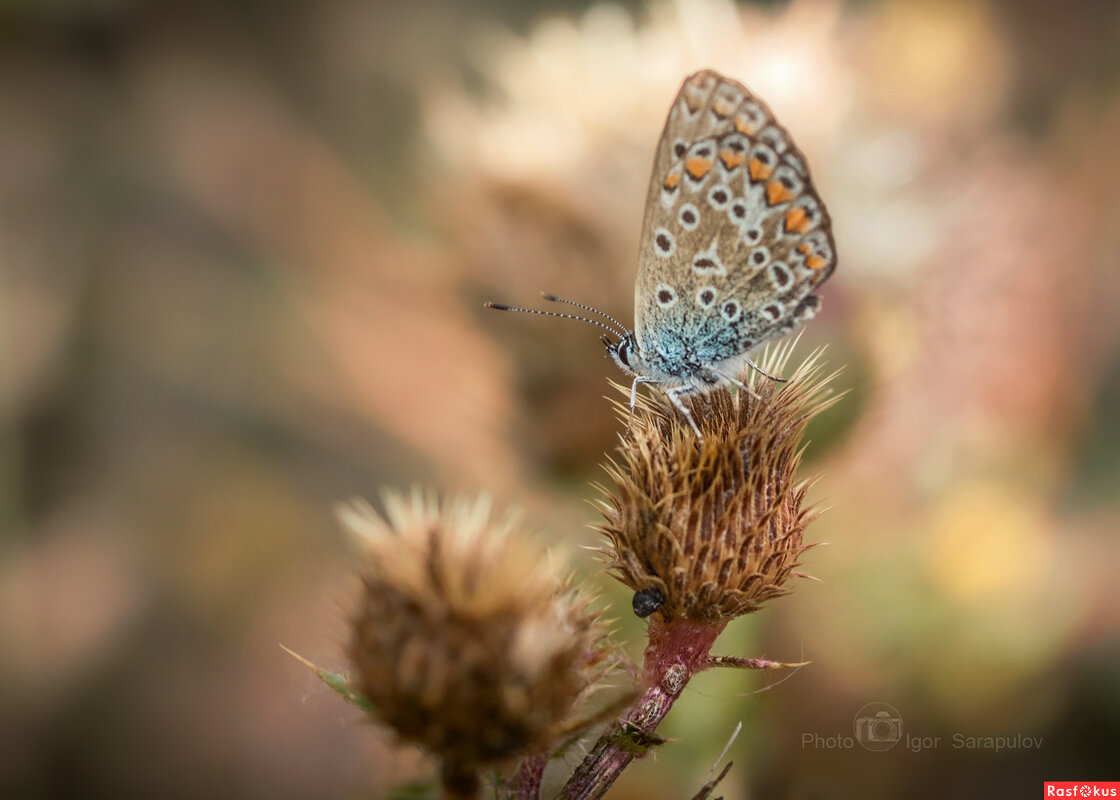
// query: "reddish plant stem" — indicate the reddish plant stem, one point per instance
point(677, 650)
point(527, 782)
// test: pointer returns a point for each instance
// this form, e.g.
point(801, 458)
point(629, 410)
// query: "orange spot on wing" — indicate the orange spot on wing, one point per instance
point(796, 221)
point(777, 193)
point(743, 126)
point(731, 159)
point(815, 262)
point(759, 171)
point(698, 167)
point(804, 248)
point(722, 109)
point(672, 180)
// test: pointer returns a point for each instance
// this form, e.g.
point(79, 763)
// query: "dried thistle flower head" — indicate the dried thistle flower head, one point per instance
point(467, 640)
point(712, 526)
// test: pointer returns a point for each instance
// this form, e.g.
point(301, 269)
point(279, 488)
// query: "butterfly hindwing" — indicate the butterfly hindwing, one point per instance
point(734, 238)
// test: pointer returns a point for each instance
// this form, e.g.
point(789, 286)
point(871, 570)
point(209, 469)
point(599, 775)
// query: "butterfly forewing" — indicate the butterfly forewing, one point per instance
point(734, 238)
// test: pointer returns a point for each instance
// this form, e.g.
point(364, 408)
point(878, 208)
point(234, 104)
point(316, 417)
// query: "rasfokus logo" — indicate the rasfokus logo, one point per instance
point(1081, 789)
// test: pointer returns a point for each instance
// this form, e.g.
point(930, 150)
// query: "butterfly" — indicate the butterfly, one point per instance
point(734, 243)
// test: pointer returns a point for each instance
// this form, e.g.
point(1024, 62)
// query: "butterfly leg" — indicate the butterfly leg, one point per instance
point(634, 398)
point(674, 396)
point(727, 376)
point(761, 371)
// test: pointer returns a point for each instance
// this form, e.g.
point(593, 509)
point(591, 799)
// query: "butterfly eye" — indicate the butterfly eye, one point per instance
point(623, 352)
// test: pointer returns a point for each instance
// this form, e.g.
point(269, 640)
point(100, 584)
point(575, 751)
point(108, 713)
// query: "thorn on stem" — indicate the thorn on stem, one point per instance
point(753, 663)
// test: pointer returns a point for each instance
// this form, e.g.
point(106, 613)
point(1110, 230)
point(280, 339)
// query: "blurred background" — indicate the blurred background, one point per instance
point(243, 254)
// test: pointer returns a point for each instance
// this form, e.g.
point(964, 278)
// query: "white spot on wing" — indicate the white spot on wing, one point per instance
point(773, 137)
point(689, 217)
point(664, 244)
point(665, 295)
point(719, 196)
point(708, 262)
point(780, 275)
point(706, 297)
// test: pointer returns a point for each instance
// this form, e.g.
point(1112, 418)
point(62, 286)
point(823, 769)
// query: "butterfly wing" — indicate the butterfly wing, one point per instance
point(734, 238)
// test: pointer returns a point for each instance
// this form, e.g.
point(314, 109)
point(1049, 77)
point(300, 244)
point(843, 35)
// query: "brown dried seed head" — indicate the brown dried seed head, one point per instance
point(715, 524)
point(467, 640)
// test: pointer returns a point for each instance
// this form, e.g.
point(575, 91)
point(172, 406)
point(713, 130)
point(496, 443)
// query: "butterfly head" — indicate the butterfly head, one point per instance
point(625, 353)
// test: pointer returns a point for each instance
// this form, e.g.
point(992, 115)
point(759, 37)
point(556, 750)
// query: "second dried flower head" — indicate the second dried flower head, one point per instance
point(467, 640)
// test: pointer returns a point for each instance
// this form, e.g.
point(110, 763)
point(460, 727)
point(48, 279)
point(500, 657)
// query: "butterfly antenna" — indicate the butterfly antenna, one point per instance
point(502, 307)
point(554, 299)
